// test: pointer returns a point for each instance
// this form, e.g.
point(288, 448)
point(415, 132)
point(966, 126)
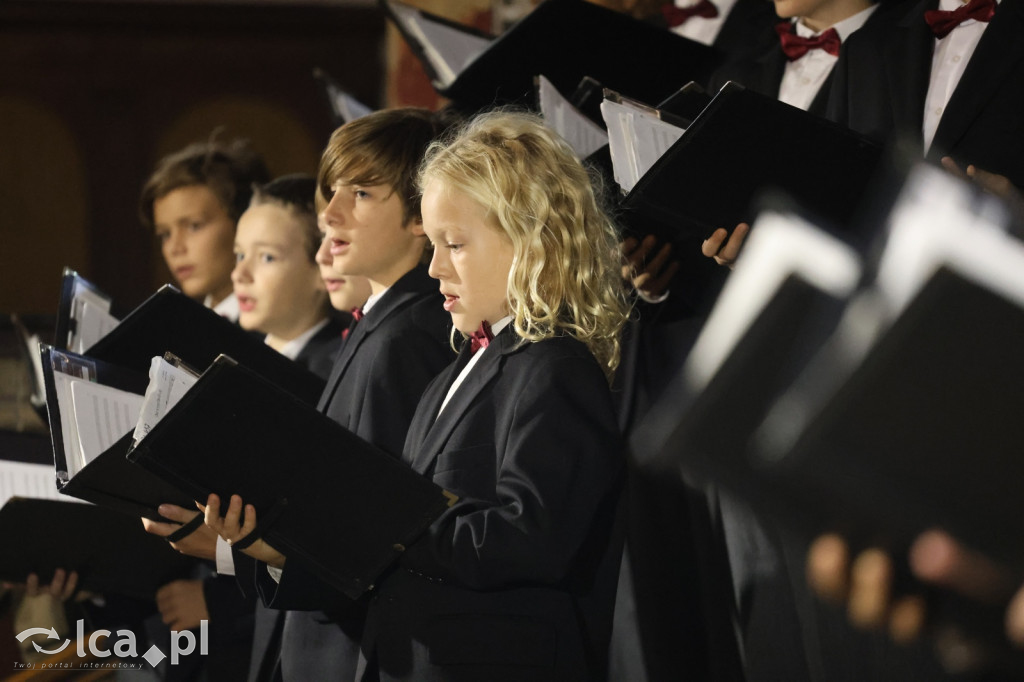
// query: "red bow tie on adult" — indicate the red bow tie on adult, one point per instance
point(795, 46)
point(481, 338)
point(943, 22)
point(677, 16)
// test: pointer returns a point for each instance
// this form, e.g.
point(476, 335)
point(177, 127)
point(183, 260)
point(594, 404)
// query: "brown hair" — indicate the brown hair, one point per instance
point(229, 170)
point(296, 193)
point(382, 148)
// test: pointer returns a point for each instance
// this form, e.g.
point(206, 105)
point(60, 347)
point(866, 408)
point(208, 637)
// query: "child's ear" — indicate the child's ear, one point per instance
point(416, 227)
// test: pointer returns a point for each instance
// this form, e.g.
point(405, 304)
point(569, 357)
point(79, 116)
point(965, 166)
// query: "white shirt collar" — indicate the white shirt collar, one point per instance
point(292, 349)
point(227, 308)
point(372, 301)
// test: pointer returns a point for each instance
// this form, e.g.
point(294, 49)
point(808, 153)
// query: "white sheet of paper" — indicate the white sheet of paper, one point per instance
point(21, 479)
point(447, 49)
point(637, 138)
point(167, 385)
point(103, 415)
point(583, 135)
point(93, 323)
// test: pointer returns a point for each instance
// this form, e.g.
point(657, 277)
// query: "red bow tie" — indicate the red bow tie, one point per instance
point(795, 46)
point(943, 22)
point(481, 338)
point(677, 16)
point(357, 314)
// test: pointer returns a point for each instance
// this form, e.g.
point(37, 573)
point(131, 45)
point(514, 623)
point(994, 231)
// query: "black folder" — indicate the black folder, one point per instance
point(324, 497)
point(170, 322)
point(109, 479)
point(740, 145)
point(925, 430)
point(565, 40)
point(111, 552)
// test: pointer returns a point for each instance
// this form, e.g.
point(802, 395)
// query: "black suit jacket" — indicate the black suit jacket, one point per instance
point(516, 580)
point(320, 351)
point(374, 387)
point(882, 81)
point(749, 23)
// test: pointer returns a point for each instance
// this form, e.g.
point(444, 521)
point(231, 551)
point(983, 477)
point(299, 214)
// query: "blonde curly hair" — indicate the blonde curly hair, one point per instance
point(565, 277)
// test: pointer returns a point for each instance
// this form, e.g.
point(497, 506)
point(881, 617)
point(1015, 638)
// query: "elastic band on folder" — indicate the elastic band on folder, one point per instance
point(186, 529)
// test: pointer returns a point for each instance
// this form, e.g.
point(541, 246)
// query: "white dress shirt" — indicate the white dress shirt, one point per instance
point(804, 77)
point(495, 330)
point(228, 308)
point(948, 63)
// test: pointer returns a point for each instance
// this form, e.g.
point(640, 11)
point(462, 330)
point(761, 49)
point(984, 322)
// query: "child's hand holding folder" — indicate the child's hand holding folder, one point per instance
point(236, 529)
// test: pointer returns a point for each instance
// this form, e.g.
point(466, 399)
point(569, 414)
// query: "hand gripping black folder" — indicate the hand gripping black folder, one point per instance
point(323, 496)
point(741, 144)
point(565, 40)
point(170, 322)
point(110, 551)
point(109, 479)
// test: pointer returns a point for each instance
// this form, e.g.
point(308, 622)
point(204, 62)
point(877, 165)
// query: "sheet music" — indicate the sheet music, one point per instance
point(21, 479)
point(72, 451)
point(583, 135)
point(637, 138)
point(92, 322)
point(447, 49)
point(103, 415)
point(167, 385)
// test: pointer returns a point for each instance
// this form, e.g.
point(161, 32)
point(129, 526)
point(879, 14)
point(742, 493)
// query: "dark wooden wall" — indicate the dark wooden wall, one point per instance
point(93, 93)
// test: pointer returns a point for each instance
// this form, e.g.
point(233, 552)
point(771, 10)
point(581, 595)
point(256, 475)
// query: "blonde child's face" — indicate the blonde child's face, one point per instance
point(366, 235)
point(278, 287)
point(472, 257)
point(346, 291)
point(196, 236)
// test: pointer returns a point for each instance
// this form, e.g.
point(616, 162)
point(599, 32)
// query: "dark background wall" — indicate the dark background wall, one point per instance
point(93, 93)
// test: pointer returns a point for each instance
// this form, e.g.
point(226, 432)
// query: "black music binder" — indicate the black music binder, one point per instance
point(324, 497)
point(565, 40)
point(108, 479)
point(170, 322)
point(111, 552)
point(740, 145)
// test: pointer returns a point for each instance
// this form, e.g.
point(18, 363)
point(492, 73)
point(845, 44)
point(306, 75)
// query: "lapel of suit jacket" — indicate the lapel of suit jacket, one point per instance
point(410, 287)
point(771, 67)
point(999, 51)
point(909, 58)
point(482, 374)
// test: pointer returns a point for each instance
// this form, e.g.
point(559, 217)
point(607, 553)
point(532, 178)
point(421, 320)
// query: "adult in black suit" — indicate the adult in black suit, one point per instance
point(762, 67)
point(882, 82)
